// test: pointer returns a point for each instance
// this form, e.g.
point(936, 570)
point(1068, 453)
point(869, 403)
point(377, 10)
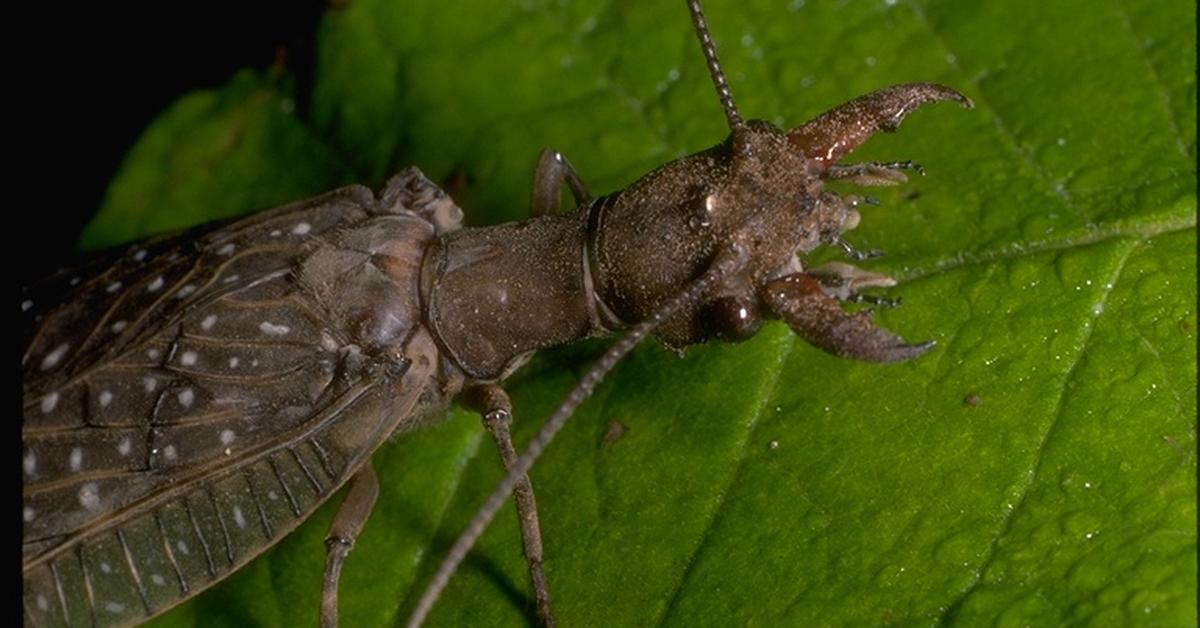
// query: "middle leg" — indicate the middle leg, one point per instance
point(492, 402)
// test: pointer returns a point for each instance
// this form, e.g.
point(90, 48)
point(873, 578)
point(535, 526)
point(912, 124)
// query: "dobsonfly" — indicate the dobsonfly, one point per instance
point(190, 399)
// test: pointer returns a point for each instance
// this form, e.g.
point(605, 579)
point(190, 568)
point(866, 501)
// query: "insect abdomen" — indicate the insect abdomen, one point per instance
point(164, 454)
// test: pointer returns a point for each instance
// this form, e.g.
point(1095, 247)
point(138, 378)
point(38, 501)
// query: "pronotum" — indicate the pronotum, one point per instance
point(190, 399)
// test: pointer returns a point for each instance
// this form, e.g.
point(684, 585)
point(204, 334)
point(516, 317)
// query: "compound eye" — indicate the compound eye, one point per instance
point(733, 318)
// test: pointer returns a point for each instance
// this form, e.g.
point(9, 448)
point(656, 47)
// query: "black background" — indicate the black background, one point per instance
point(97, 73)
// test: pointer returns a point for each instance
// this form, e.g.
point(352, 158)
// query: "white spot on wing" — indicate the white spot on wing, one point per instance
point(55, 356)
point(233, 363)
point(183, 547)
point(208, 322)
point(169, 452)
point(124, 447)
point(105, 567)
point(26, 304)
point(119, 326)
point(42, 604)
point(27, 514)
point(114, 607)
point(106, 398)
point(30, 463)
point(227, 249)
point(227, 436)
point(301, 229)
point(271, 329)
point(275, 233)
point(149, 383)
point(76, 459)
point(49, 402)
point(113, 287)
point(238, 518)
point(155, 285)
point(139, 255)
point(153, 353)
point(157, 579)
point(185, 291)
point(232, 278)
point(89, 496)
point(188, 358)
point(186, 397)
point(272, 495)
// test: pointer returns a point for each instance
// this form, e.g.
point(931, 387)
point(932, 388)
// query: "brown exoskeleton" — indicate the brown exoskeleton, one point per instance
point(703, 247)
point(190, 399)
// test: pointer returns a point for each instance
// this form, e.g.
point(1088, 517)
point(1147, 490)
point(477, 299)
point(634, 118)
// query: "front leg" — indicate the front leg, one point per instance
point(492, 402)
point(548, 177)
point(802, 301)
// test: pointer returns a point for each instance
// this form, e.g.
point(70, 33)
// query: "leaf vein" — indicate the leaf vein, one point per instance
point(949, 615)
point(719, 507)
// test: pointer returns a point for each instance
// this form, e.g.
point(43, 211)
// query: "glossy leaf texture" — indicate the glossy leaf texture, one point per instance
point(1038, 467)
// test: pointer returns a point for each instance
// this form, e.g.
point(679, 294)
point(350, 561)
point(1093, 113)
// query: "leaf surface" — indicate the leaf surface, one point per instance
point(1038, 467)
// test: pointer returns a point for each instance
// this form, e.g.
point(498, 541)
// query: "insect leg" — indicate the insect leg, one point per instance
point(347, 524)
point(492, 402)
point(551, 172)
point(802, 301)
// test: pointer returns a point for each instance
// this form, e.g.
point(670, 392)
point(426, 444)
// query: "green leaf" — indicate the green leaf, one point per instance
point(1037, 468)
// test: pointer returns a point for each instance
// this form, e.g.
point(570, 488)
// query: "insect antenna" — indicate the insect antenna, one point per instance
point(714, 65)
point(726, 265)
